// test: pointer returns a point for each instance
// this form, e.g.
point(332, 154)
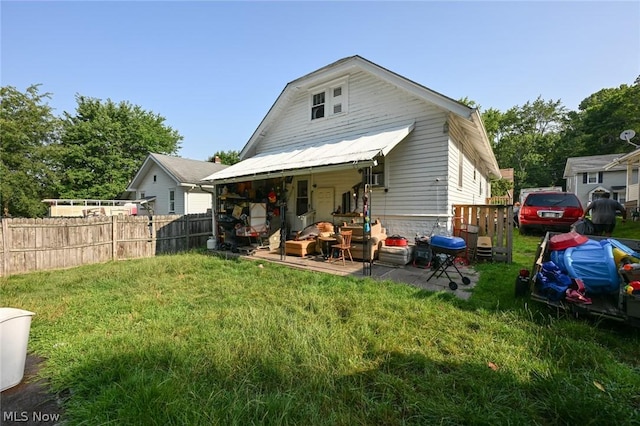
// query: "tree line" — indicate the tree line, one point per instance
point(95, 151)
point(536, 139)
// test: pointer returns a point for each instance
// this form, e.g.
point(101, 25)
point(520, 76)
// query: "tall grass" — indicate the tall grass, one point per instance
point(194, 339)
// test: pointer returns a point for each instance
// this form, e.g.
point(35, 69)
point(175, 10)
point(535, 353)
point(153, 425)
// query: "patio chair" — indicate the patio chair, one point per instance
point(343, 247)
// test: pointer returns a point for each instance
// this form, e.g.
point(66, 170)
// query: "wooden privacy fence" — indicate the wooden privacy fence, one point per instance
point(493, 221)
point(28, 245)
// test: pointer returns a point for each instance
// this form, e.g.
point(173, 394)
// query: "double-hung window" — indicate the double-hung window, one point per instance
point(317, 109)
point(302, 197)
point(329, 100)
point(593, 177)
point(172, 201)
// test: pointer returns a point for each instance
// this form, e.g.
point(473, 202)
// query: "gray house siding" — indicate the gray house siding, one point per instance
point(614, 182)
point(586, 175)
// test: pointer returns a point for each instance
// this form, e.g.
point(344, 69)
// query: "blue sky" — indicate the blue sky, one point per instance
point(213, 69)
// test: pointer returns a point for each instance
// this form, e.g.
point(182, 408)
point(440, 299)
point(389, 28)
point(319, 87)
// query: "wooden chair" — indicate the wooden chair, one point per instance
point(344, 247)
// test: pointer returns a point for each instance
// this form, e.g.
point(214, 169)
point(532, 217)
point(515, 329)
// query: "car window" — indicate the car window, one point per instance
point(552, 200)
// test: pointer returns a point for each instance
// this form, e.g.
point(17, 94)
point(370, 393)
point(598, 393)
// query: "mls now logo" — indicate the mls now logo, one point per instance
point(15, 416)
point(23, 416)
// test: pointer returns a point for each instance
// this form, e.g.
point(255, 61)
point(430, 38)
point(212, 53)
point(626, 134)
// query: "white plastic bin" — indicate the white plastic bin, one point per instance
point(15, 325)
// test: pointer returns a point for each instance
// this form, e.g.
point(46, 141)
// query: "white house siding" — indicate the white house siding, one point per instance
point(159, 188)
point(373, 105)
point(473, 176)
point(414, 199)
point(187, 200)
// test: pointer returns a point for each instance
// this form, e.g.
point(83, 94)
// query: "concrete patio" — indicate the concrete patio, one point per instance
point(406, 274)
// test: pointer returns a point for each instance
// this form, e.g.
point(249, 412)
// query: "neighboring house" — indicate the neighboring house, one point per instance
point(353, 123)
point(588, 177)
point(173, 185)
point(631, 164)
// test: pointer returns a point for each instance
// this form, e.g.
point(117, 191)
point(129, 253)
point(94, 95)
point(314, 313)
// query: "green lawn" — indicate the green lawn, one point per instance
point(193, 339)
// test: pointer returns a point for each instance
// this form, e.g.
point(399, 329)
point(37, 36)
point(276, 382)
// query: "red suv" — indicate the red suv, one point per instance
point(554, 211)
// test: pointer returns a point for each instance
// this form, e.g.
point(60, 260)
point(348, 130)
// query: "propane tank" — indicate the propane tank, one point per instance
point(211, 243)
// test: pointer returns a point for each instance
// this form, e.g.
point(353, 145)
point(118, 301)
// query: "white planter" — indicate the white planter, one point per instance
point(15, 325)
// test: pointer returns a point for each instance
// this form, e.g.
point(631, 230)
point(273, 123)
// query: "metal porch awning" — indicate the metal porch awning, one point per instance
point(324, 156)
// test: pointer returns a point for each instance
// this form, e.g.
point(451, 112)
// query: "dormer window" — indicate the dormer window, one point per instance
point(329, 99)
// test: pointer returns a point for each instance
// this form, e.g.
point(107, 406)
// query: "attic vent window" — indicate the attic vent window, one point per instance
point(337, 92)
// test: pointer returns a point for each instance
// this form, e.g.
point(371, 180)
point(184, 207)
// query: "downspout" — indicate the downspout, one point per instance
point(214, 222)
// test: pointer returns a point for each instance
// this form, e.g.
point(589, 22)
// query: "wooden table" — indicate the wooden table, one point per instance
point(325, 243)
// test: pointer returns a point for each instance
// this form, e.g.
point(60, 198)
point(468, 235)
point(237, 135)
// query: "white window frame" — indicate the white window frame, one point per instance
point(302, 197)
point(331, 101)
point(592, 177)
point(172, 200)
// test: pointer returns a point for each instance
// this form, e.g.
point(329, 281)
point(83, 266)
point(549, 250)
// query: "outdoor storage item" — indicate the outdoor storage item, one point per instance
point(566, 240)
point(583, 226)
point(484, 251)
point(630, 272)
point(446, 249)
point(631, 305)
point(396, 241)
point(15, 325)
point(622, 251)
point(592, 262)
point(622, 306)
point(396, 255)
point(422, 254)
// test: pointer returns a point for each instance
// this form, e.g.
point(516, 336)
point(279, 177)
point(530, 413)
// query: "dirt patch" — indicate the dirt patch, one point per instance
point(30, 402)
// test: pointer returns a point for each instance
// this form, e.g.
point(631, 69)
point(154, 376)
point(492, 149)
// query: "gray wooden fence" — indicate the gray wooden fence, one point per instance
point(28, 245)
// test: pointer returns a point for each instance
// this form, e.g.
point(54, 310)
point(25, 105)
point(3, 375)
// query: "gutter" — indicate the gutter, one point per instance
point(292, 172)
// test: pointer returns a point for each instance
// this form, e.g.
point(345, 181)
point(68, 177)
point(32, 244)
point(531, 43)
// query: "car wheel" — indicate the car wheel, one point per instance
point(523, 230)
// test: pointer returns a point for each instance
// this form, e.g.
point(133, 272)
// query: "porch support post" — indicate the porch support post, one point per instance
point(283, 215)
point(214, 216)
point(366, 219)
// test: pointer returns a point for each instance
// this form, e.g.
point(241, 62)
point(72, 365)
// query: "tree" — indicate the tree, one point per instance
point(500, 187)
point(227, 157)
point(103, 145)
point(595, 128)
point(525, 138)
point(27, 130)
